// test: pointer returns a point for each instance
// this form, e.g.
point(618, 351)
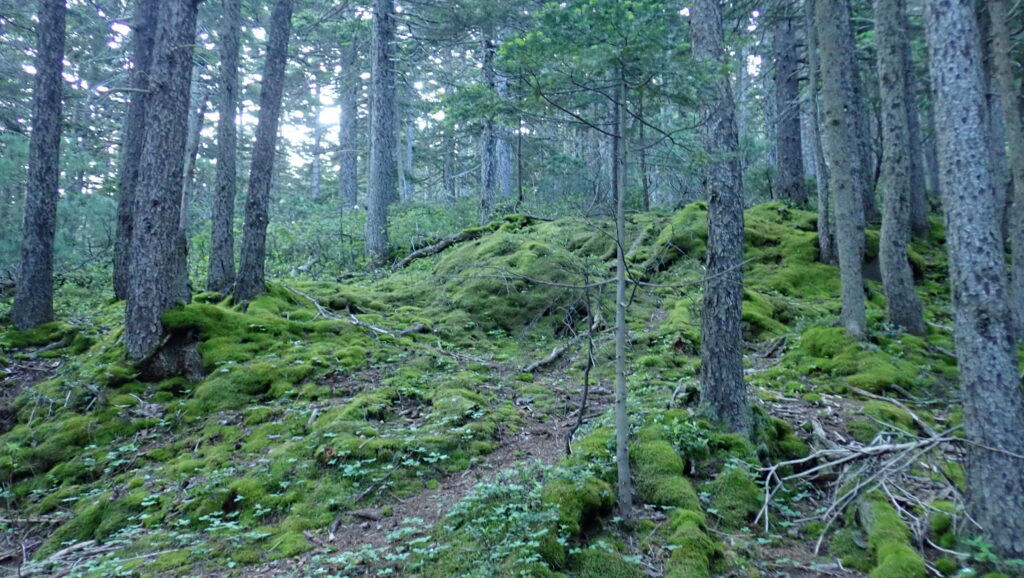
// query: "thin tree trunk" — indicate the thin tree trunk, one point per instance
point(843, 155)
point(1001, 175)
point(1009, 90)
point(919, 224)
point(902, 303)
point(157, 283)
point(196, 115)
point(826, 241)
point(645, 177)
point(723, 393)
point(318, 135)
point(992, 396)
point(220, 274)
point(789, 176)
point(33, 297)
point(625, 484)
point(143, 33)
point(348, 91)
point(488, 141)
point(251, 276)
point(382, 133)
point(502, 147)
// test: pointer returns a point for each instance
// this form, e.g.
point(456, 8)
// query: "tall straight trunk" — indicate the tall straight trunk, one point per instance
point(789, 176)
point(931, 155)
point(143, 32)
point(826, 241)
point(1009, 91)
point(196, 115)
point(992, 396)
point(723, 394)
point(220, 274)
point(624, 485)
point(316, 165)
point(382, 186)
point(348, 101)
point(645, 177)
point(488, 140)
point(33, 297)
point(842, 153)
point(502, 147)
point(1001, 175)
point(406, 160)
point(902, 304)
point(251, 281)
point(861, 122)
point(157, 283)
point(919, 224)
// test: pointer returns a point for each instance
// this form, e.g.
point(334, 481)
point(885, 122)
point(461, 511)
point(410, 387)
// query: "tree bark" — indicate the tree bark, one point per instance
point(143, 33)
point(488, 140)
point(902, 304)
point(316, 166)
point(1009, 90)
point(33, 297)
point(251, 276)
point(919, 224)
point(156, 282)
point(220, 273)
point(991, 388)
point(624, 483)
point(826, 241)
point(348, 101)
point(789, 175)
point(382, 185)
point(723, 393)
point(842, 153)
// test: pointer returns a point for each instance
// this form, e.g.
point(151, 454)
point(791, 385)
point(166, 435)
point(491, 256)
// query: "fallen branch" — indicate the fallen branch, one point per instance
point(467, 235)
point(558, 352)
point(917, 420)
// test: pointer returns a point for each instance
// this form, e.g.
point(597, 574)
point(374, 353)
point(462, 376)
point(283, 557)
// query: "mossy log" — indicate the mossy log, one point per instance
point(889, 540)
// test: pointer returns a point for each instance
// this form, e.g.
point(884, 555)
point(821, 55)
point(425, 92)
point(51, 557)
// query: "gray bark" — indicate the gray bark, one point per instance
point(156, 271)
point(826, 241)
point(488, 139)
point(251, 275)
point(1001, 177)
point(316, 165)
point(196, 115)
point(919, 224)
point(33, 297)
point(502, 147)
point(220, 274)
point(618, 186)
point(789, 176)
point(992, 396)
point(843, 155)
point(1009, 91)
point(723, 393)
point(382, 182)
point(348, 89)
point(143, 31)
point(902, 304)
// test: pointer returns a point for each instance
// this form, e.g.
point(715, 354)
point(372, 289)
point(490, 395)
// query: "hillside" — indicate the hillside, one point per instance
point(416, 423)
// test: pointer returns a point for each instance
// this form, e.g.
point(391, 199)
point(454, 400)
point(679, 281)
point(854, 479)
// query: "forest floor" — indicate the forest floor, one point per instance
point(415, 423)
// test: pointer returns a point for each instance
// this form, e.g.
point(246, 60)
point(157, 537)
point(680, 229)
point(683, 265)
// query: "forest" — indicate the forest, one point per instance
point(589, 288)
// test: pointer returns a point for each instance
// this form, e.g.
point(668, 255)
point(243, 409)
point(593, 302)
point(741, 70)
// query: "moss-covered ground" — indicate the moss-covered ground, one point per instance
point(386, 425)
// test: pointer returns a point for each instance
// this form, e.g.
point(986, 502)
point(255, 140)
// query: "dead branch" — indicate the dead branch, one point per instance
point(467, 235)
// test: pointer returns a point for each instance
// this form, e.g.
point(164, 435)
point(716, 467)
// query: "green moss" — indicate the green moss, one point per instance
point(898, 560)
point(658, 470)
point(889, 539)
point(595, 562)
point(38, 336)
point(947, 566)
point(170, 560)
point(844, 546)
point(287, 545)
point(686, 235)
point(735, 497)
point(759, 316)
point(693, 550)
point(890, 413)
point(580, 503)
point(863, 431)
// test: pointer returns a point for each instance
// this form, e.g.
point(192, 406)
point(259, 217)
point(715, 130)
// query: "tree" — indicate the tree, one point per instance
point(251, 277)
point(220, 274)
point(842, 150)
point(382, 184)
point(826, 245)
point(991, 387)
point(789, 177)
point(143, 32)
point(156, 283)
point(902, 303)
point(1009, 90)
point(33, 298)
point(723, 393)
point(349, 84)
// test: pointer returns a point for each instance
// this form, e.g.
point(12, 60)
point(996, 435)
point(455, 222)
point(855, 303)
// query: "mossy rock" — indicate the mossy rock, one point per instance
point(735, 498)
point(845, 547)
point(287, 545)
point(889, 539)
point(693, 550)
point(658, 471)
point(580, 503)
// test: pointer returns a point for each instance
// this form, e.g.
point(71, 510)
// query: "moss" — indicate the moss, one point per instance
point(580, 503)
point(658, 470)
point(898, 560)
point(595, 562)
point(947, 566)
point(844, 546)
point(863, 431)
point(170, 560)
point(42, 335)
point(759, 316)
point(693, 550)
point(287, 545)
point(890, 413)
point(245, 555)
point(889, 539)
point(735, 497)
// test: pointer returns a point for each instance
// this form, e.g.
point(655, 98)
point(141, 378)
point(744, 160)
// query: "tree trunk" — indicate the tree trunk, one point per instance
point(196, 115)
point(488, 140)
point(826, 241)
point(843, 155)
point(919, 224)
point(348, 101)
point(723, 394)
point(991, 388)
point(132, 140)
point(220, 274)
point(157, 283)
point(618, 181)
point(318, 135)
point(382, 133)
point(1009, 90)
point(251, 281)
point(1000, 166)
point(789, 176)
point(902, 304)
point(33, 297)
